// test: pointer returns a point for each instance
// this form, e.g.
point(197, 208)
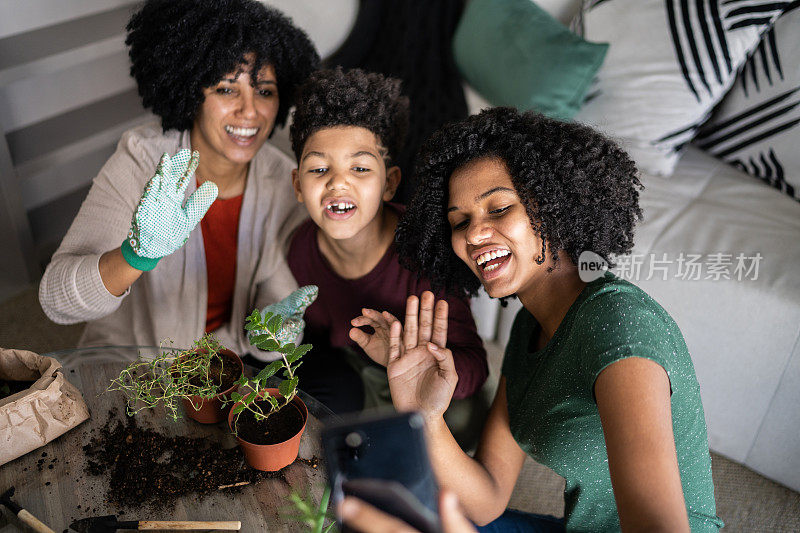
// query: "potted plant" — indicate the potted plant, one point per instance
point(202, 378)
point(269, 421)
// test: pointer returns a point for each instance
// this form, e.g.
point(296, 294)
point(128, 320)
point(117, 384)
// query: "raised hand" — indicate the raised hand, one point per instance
point(422, 375)
point(376, 346)
point(161, 224)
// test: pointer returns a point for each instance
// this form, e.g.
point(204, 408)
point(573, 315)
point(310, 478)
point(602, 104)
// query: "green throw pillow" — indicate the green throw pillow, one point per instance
point(516, 54)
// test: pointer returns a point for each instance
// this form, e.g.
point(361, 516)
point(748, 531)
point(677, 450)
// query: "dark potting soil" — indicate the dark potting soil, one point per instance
point(9, 387)
point(281, 426)
point(146, 468)
point(224, 370)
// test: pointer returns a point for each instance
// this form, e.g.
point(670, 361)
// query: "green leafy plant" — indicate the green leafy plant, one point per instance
point(169, 377)
point(268, 337)
point(313, 516)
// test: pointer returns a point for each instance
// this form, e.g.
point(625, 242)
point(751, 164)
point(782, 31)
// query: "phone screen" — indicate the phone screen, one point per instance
point(383, 460)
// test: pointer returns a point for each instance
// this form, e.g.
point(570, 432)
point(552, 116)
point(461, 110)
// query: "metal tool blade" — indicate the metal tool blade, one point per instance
point(96, 524)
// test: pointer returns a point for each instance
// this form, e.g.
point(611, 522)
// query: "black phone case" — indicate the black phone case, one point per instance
point(384, 461)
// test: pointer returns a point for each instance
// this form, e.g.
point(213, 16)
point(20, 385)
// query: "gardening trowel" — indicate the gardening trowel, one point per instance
point(108, 524)
point(26, 517)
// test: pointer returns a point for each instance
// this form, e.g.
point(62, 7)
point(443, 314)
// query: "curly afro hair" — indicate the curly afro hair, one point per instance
point(581, 190)
point(337, 97)
point(180, 47)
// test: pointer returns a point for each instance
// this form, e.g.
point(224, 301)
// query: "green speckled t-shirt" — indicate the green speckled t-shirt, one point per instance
point(553, 414)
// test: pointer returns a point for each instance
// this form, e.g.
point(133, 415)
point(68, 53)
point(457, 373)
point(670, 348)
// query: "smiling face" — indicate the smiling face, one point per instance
point(343, 180)
point(491, 231)
point(235, 118)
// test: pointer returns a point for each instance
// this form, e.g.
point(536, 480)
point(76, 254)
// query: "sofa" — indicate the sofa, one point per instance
point(743, 334)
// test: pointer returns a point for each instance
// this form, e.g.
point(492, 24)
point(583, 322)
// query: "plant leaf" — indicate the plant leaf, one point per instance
point(299, 352)
point(258, 339)
point(273, 401)
point(269, 371)
point(238, 409)
point(252, 321)
point(287, 387)
point(270, 346)
point(274, 324)
point(236, 397)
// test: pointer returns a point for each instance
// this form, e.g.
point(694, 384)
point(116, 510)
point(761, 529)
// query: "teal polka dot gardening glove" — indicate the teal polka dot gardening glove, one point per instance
point(161, 224)
point(292, 309)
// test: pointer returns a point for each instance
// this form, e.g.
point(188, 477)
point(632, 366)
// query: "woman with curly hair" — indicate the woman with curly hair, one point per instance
point(219, 74)
point(597, 382)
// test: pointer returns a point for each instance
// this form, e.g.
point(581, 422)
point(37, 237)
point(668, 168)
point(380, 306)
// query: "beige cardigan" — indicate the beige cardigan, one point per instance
point(170, 301)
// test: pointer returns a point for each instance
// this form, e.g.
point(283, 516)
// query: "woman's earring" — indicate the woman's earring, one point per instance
point(540, 260)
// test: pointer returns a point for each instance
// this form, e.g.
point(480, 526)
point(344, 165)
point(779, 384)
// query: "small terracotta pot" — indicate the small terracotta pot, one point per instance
point(211, 409)
point(273, 457)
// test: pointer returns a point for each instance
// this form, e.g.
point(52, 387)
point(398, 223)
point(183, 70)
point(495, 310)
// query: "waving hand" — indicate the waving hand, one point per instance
point(422, 375)
point(161, 223)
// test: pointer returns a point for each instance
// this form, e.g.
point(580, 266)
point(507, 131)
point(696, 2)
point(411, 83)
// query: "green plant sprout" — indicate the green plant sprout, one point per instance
point(169, 377)
point(312, 516)
point(268, 338)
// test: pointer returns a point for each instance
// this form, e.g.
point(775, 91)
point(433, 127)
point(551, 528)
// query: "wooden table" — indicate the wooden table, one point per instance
point(260, 507)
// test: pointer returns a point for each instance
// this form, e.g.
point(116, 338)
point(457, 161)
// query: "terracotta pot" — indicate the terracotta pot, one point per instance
point(211, 410)
point(273, 457)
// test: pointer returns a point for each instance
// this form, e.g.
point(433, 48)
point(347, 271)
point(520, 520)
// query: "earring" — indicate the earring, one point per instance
point(540, 260)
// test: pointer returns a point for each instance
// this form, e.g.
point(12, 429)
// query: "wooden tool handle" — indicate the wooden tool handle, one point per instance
point(33, 522)
point(184, 525)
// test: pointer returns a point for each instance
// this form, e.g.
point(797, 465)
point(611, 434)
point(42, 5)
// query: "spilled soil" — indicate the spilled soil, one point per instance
point(147, 468)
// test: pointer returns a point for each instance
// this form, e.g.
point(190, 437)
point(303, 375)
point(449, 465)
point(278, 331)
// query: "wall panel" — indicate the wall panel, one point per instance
point(66, 96)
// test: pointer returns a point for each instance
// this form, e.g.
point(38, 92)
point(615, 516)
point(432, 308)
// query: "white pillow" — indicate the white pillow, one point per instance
point(669, 63)
point(757, 125)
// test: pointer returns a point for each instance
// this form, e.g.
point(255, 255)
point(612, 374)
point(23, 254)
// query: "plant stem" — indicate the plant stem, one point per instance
point(323, 508)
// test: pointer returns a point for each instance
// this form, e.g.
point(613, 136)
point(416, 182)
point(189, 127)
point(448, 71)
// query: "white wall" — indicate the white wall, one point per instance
point(64, 93)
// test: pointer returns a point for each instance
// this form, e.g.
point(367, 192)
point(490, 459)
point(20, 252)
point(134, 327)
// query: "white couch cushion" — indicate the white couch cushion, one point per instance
point(742, 335)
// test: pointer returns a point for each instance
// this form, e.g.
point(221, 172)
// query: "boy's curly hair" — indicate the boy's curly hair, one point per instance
point(336, 97)
point(180, 47)
point(580, 189)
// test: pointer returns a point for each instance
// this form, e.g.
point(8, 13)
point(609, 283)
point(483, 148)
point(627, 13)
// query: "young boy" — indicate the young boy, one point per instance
point(347, 128)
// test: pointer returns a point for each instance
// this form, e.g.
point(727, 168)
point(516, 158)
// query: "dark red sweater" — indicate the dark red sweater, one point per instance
point(385, 288)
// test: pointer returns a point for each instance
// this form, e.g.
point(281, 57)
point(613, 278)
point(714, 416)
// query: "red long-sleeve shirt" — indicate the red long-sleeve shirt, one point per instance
point(220, 227)
point(385, 288)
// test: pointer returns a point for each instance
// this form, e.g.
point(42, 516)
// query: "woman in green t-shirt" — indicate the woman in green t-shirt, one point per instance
point(597, 382)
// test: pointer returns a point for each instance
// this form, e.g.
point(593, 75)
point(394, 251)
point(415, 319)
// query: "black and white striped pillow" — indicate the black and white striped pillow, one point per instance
point(757, 125)
point(670, 62)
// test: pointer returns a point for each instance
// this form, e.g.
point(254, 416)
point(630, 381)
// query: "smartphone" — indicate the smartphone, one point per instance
point(383, 460)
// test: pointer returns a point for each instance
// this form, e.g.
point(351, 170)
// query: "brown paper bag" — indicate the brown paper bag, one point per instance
point(33, 417)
